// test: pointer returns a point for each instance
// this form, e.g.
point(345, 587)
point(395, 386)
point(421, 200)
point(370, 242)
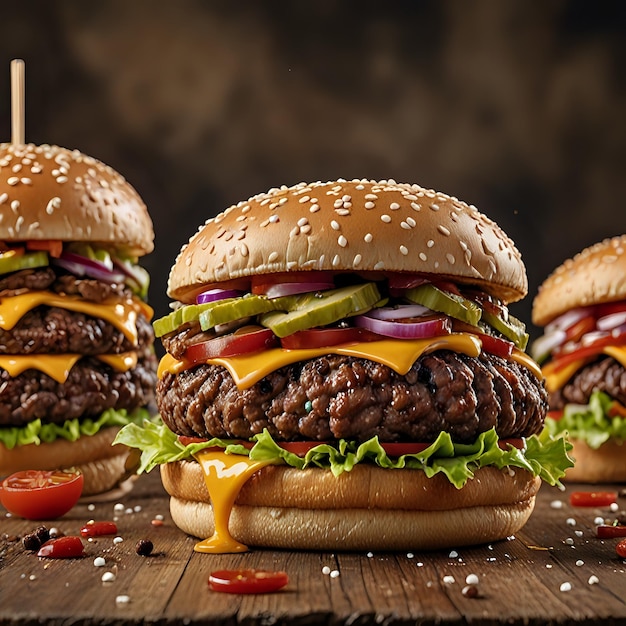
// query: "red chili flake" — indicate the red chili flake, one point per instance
point(98, 529)
point(157, 522)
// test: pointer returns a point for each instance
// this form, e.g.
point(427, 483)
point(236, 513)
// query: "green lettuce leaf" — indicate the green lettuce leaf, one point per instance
point(589, 422)
point(543, 456)
point(36, 432)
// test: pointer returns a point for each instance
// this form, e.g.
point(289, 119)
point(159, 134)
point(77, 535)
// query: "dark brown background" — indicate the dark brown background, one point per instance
point(518, 107)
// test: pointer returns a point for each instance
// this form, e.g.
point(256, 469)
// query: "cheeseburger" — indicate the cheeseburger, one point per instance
point(342, 372)
point(76, 344)
point(582, 305)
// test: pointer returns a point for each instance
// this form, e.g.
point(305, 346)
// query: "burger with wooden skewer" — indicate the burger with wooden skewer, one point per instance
point(76, 344)
point(343, 373)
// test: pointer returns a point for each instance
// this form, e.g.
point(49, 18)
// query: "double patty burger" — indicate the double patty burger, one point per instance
point(582, 305)
point(343, 353)
point(76, 344)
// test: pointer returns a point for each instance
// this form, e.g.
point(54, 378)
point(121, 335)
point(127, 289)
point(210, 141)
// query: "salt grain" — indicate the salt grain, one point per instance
point(471, 579)
point(565, 587)
point(325, 570)
point(108, 577)
point(593, 580)
point(99, 561)
point(579, 563)
point(122, 599)
point(449, 580)
point(334, 573)
point(556, 504)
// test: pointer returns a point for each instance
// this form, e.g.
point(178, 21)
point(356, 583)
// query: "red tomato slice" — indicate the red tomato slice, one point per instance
point(62, 548)
point(516, 442)
point(324, 337)
point(608, 308)
point(580, 328)
point(54, 247)
point(398, 449)
point(497, 346)
point(300, 448)
point(260, 284)
point(244, 340)
point(247, 581)
point(610, 532)
point(41, 494)
point(587, 352)
point(593, 498)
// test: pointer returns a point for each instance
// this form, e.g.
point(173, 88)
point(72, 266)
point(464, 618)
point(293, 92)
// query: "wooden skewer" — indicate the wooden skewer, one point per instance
point(17, 102)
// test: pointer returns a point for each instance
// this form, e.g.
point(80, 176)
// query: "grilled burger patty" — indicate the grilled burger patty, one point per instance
point(91, 388)
point(335, 397)
point(605, 374)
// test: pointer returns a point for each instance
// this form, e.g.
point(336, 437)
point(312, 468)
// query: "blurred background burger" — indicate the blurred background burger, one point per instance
point(76, 344)
point(582, 306)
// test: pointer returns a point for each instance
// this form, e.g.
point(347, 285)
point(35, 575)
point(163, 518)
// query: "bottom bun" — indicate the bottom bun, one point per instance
point(607, 464)
point(368, 508)
point(102, 464)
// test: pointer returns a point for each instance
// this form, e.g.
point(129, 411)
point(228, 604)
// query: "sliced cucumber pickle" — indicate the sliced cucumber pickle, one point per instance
point(184, 315)
point(322, 308)
point(11, 262)
point(449, 303)
point(247, 306)
point(512, 328)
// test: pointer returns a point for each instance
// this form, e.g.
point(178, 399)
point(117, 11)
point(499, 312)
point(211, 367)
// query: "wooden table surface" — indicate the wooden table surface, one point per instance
point(524, 579)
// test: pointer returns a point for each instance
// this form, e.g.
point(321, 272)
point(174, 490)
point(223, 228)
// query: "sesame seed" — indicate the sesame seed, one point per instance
point(335, 225)
point(346, 198)
point(344, 211)
point(294, 231)
point(369, 205)
point(443, 230)
point(368, 238)
point(415, 206)
point(371, 196)
point(434, 207)
point(336, 260)
point(394, 206)
point(13, 180)
point(274, 219)
point(303, 221)
point(422, 256)
point(15, 205)
point(385, 218)
point(306, 229)
point(272, 257)
point(61, 179)
point(380, 265)
point(17, 167)
point(357, 260)
point(283, 201)
point(303, 199)
point(409, 196)
point(4, 197)
point(342, 241)
point(338, 203)
point(27, 181)
point(314, 208)
point(404, 250)
point(244, 249)
point(450, 258)
point(405, 226)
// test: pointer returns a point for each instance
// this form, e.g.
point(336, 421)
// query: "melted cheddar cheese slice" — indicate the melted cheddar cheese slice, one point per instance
point(121, 313)
point(557, 377)
point(58, 366)
point(398, 354)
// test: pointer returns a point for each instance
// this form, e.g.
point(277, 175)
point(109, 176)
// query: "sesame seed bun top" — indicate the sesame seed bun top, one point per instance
point(595, 275)
point(354, 226)
point(48, 192)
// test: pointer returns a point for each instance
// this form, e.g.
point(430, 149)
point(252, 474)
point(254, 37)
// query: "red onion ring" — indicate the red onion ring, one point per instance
point(217, 294)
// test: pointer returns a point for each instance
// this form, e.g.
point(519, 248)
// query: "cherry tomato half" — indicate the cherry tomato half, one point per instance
point(620, 548)
point(41, 494)
point(244, 340)
point(247, 581)
point(62, 548)
point(593, 498)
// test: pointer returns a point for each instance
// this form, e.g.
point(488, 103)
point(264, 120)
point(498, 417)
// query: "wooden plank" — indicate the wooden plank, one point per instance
point(520, 579)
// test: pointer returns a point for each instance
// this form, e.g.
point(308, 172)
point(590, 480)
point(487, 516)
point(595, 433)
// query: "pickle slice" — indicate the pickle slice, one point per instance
point(323, 308)
point(511, 328)
point(449, 303)
point(249, 305)
point(183, 315)
point(11, 262)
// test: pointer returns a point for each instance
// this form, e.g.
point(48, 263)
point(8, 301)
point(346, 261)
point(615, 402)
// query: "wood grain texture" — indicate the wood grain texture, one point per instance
point(520, 578)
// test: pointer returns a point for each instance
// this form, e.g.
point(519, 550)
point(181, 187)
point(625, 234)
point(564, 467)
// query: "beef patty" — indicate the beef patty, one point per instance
point(340, 397)
point(606, 374)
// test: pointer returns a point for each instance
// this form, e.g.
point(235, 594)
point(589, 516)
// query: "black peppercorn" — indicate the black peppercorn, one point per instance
point(31, 542)
point(42, 533)
point(144, 547)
